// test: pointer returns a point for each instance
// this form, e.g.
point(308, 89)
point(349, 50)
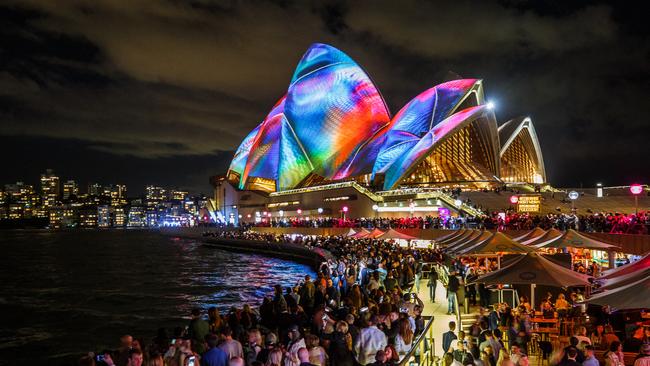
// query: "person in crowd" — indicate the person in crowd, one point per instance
point(643, 358)
point(432, 284)
point(380, 359)
point(590, 358)
point(609, 336)
point(370, 340)
point(296, 342)
point(561, 306)
point(236, 361)
point(392, 358)
point(570, 360)
point(232, 347)
point(303, 357)
point(317, 354)
point(197, 330)
point(275, 358)
point(516, 354)
point(504, 358)
point(580, 332)
point(452, 289)
point(614, 356)
point(597, 336)
point(214, 356)
point(449, 336)
point(404, 338)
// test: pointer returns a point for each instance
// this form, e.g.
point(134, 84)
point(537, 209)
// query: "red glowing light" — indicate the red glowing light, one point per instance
point(636, 188)
point(514, 199)
point(345, 208)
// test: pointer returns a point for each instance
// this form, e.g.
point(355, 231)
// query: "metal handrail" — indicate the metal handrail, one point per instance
point(423, 350)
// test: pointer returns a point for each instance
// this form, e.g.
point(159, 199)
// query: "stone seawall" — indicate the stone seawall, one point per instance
point(288, 251)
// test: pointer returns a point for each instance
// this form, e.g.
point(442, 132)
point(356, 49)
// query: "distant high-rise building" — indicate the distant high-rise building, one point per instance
point(155, 195)
point(95, 189)
point(103, 216)
point(178, 194)
point(70, 189)
point(49, 188)
point(88, 217)
point(119, 217)
point(22, 200)
point(117, 192)
point(137, 217)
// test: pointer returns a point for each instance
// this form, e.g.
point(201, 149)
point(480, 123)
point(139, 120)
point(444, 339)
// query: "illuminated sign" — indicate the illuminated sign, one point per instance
point(282, 204)
point(529, 203)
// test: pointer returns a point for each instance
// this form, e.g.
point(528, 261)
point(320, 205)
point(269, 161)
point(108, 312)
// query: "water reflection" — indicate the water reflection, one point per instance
point(70, 292)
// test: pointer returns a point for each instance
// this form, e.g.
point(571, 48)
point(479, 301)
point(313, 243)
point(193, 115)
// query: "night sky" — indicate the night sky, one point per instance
point(162, 92)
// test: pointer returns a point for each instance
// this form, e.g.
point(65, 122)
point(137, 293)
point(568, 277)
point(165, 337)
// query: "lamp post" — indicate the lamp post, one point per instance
point(573, 196)
point(344, 211)
point(636, 190)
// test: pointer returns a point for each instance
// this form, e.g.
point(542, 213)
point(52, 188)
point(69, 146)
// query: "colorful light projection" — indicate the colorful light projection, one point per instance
point(419, 116)
point(404, 163)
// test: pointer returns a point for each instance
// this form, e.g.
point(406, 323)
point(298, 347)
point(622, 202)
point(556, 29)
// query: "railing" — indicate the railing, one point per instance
point(324, 187)
point(423, 350)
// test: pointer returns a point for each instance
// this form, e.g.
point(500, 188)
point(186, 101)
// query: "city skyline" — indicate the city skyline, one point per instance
point(172, 112)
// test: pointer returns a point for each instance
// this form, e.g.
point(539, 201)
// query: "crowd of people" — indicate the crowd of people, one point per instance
point(602, 222)
point(362, 308)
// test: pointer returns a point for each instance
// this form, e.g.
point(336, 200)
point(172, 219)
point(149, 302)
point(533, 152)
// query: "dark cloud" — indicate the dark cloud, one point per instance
point(164, 81)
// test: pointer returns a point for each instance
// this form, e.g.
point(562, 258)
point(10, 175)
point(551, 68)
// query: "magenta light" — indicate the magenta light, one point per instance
point(299, 211)
point(636, 189)
point(514, 199)
point(345, 208)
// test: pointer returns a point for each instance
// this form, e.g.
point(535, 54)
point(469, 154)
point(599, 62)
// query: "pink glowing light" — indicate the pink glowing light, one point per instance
point(345, 208)
point(514, 199)
point(636, 189)
point(299, 211)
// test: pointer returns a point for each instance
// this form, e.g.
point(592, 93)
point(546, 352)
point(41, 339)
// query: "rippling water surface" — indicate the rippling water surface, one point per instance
point(65, 293)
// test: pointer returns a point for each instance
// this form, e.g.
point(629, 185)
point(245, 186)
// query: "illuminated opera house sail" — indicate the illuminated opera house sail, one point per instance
point(332, 125)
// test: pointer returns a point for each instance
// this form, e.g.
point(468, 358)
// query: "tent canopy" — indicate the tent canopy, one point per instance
point(450, 237)
point(375, 233)
point(477, 239)
point(361, 233)
point(351, 232)
point(631, 296)
point(574, 239)
point(641, 264)
point(618, 281)
point(533, 234)
point(533, 268)
point(394, 234)
point(468, 236)
point(497, 243)
point(548, 236)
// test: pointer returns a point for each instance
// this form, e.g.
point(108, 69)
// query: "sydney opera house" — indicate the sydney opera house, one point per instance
point(330, 146)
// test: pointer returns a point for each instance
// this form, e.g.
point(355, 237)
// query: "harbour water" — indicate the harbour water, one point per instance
point(66, 293)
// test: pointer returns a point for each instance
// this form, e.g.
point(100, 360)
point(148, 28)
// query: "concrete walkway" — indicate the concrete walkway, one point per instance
point(439, 312)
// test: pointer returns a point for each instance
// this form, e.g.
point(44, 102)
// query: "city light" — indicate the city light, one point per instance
point(458, 203)
point(636, 189)
point(514, 199)
point(299, 211)
point(345, 208)
point(375, 207)
point(320, 210)
point(490, 105)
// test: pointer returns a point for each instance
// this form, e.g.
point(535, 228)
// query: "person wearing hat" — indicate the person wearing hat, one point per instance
point(270, 342)
point(643, 358)
point(296, 342)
